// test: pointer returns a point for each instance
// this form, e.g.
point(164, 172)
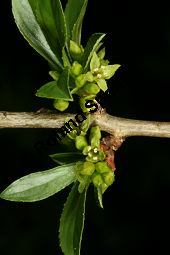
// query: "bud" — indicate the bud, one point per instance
point(75, 50)
point(88, 168)
point(79, 167)
point(91, 88)
point(76, 68)
point(84, 179)
point(102, 167)
point(95, 136)
point(97, 180)
point(108, 178)
point(81, 142)
point(80, 80)
point(89, 77)
point(60, 104)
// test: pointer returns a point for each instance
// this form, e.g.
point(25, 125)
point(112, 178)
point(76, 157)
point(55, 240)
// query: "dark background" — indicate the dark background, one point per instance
point(136, 215)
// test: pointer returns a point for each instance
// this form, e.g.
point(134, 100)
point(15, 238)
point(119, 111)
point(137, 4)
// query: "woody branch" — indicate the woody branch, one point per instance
point(116, 126)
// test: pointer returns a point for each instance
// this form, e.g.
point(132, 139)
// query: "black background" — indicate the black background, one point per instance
point(136, 215)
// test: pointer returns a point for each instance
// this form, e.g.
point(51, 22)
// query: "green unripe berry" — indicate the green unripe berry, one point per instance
point(81, 142)
point(76, 69)
point(60, 104)
point(102, 167)
point(89, 77)
point(91, 88)
point(97, 180)
point(80, 80)
point(83, 78)
point(88, 168)
point(79, 166)
point(108, 178)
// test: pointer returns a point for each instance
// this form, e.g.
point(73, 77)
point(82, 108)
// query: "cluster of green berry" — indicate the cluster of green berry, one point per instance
point(86, 82)
point(94, 169)
point(99, 173)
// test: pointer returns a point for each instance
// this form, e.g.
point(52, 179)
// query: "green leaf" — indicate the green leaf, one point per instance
point(50, 16)
point(40, 185)
point(74, 13)
point(42, 24)
point(66, 61)
point(57, 89)
point(91, 47)
point(67, 157)
point(72, 222)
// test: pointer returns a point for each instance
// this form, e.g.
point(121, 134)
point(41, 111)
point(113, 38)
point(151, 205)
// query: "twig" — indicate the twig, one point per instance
point(116, 126)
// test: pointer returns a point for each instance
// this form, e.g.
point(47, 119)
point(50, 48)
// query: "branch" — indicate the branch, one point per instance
point(120, 127)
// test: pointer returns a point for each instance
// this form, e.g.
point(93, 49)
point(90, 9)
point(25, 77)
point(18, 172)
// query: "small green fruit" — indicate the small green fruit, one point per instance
point(81, 142)
point(91, 88)
point(87, 169)
point(89, 77)
point(97, 180)
point(80, 80)
point(75, 50)
point(60, 104)
point(108, 178)
point(76, 69)
point(102, 167)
